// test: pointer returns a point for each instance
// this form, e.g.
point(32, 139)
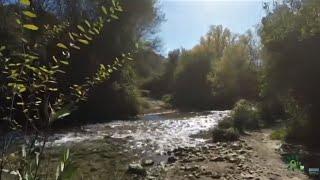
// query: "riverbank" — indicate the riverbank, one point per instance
point(162, 146)
point(254, 156)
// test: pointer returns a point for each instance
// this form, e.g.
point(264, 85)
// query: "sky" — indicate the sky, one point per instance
point(188, 20)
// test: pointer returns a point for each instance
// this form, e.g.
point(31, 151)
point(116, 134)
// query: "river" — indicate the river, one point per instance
point(104, 150)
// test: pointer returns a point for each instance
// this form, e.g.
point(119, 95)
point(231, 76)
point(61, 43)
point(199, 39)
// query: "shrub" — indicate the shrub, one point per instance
point(223, 135)
point(167, 98)
point(279, 134)
point(245, 116)
point(226, 123)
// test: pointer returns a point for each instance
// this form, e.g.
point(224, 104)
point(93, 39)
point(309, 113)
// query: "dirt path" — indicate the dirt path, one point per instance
point(252, 157)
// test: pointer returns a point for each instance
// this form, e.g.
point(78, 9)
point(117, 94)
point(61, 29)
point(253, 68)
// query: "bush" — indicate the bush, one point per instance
point(245, 116)
point(224, 135)
point(279, 134)
point(226, 123)
point(167, 98)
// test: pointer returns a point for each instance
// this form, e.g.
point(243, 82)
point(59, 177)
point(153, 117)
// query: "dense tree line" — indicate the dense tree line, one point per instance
point(290, 37)
point(214, 74)
point(279, 74)
point(135, 25)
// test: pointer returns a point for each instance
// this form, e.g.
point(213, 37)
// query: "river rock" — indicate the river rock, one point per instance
point(147, 162)
point(247, 176)
point(191, 168)
point(171, 160)
point(215, 159)
point(215, 175)
point(233, 160)
point(136, 168)
point(236, 146)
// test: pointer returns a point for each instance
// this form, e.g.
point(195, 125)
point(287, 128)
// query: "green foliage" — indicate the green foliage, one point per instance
point(226, 123)
point(224, 135)
point(31, 81)
point(234, 75)
point(33, 96)
point(280, 134)
point(245, 116)
point(167, 98)
point(163, 82)
point(270, 109)
point(66, 169)
point(191, 88)
point(123, 98)
point(290, 35)
point(219, 71)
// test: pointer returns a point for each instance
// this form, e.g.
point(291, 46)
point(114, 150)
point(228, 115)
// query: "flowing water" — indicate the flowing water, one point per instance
point(103, 151)
point(152, 132)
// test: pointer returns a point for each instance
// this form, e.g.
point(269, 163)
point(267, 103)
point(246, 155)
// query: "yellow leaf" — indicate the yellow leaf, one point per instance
point(60, 45)
point(29, 14)
point(83, 41)
point(25, 2)
point(31, 27)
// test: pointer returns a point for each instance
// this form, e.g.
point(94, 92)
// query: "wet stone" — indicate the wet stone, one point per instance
point(136, 169)
point(215, 175)
point(147, 162)
point(217, 159)
point(171, 160)
point(191, 168)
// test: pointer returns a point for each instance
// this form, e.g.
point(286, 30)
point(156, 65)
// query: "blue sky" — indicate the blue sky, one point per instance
point(188, 20)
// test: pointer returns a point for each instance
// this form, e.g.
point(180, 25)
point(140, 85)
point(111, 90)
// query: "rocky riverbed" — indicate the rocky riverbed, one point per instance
point(163, 147)
point(254, 156)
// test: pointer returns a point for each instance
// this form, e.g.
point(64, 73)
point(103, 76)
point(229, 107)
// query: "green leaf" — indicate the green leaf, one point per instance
point(74, 46)
point(45, 70)
point(25, 2)
point(55, 59)
point(60, 45)
point(31, 27)
point(2, 48)
point(63, 112)
point(53, 89)
point(96, 30)
point(114, 16)
point(91, 32)
point(29, 14)
point(18, 21)
point(83, 41)
point(81, 28)
point(88, 37)
point(71, 37)
point(104, 10)
point(119, 9)
point(24, 40)
point(87, 23)
point(64, 62)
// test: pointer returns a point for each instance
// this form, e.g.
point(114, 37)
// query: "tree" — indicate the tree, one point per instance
point(214, 73)
point(290, 34)
point(234, 76)
point(32, 97)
